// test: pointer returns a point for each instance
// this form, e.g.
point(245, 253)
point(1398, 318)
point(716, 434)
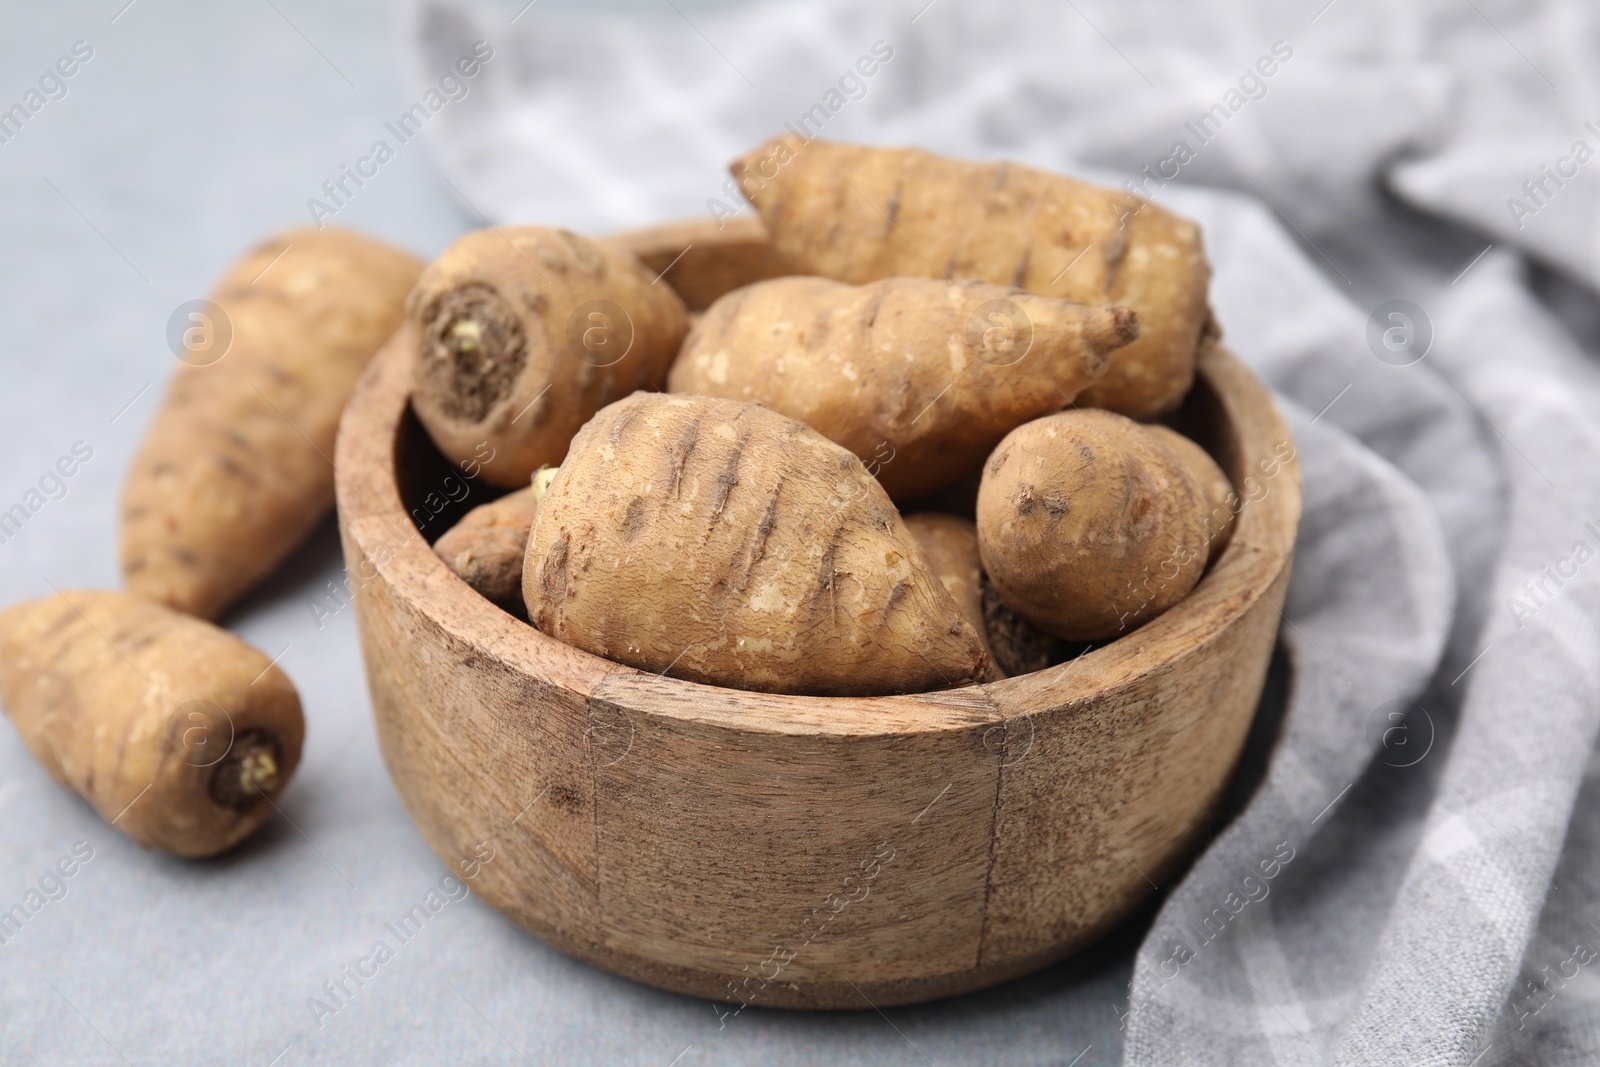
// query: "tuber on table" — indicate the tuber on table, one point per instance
point(725, 543)
point(1089, 525)
point(858, 214)
point(234, 472)
point(175, 731)
point(523, 334)
point(917, 377)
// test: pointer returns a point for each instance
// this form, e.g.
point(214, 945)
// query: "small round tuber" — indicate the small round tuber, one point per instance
point(1089, 525)
point(177, 732)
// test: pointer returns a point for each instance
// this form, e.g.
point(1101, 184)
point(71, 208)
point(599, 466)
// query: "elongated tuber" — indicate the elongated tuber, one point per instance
point(917, 377)
point(1089, 525)
point(857, 214)
point(722, 542)
point(524, 333)
point(234, 472)
point(178, 733)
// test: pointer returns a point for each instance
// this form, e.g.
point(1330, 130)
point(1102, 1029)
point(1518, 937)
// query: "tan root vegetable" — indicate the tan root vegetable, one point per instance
point(1089, 524)
point(917, 377)
point(234, 472)
point(486, 547)
point(858, 214)
point(722, 542)
point(951, 545)
point(1222, 503)
point(177, 732)
point(524, 333)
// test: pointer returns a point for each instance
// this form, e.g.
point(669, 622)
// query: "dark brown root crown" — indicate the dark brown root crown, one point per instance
point(473, 348)
point(252, 769)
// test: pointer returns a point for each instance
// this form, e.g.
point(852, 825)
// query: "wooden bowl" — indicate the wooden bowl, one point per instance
point(802, 852)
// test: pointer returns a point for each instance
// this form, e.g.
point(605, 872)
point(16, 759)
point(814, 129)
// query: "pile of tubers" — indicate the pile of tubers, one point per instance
point(929, 457)
point(730, 511)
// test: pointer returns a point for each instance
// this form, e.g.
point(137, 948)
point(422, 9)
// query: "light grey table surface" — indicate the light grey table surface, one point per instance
point(193, 130)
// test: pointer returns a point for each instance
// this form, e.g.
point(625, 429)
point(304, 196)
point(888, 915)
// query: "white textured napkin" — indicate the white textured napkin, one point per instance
point(1428, 784)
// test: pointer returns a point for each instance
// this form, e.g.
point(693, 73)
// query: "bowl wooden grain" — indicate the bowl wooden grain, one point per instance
point(802, 852)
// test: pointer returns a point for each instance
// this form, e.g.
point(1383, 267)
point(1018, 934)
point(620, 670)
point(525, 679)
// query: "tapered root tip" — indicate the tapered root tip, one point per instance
point(1112, 327)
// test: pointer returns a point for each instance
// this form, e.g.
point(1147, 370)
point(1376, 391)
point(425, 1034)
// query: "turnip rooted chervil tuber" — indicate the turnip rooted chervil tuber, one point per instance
point(524, 333)
point(234, 472)
point(858, 214)
point(177, 732)
point(725, 543)
point(917, 377)
point(1089, 524)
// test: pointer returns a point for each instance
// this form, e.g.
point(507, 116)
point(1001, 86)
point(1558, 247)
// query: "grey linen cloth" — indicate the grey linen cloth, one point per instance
point(1430, 804)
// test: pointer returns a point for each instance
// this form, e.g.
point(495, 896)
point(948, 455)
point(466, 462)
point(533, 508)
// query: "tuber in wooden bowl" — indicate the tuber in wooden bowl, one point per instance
point(802, 852)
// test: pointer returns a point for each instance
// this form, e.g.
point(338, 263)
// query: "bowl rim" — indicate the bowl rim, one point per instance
point(378, 524)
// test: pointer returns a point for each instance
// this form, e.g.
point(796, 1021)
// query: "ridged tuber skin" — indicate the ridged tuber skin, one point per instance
point(919, 378)
point(524, 333)
point(858, 214)
point(234, 472)
point(174, 730)
point(1222, 503)
point(951, 545)
point(486, 547)
point(722, 542)
point(1089, 525)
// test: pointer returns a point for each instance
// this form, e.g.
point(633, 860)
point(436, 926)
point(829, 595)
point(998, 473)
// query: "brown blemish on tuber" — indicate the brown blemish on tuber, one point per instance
point(471, 350)
point(248, 772)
